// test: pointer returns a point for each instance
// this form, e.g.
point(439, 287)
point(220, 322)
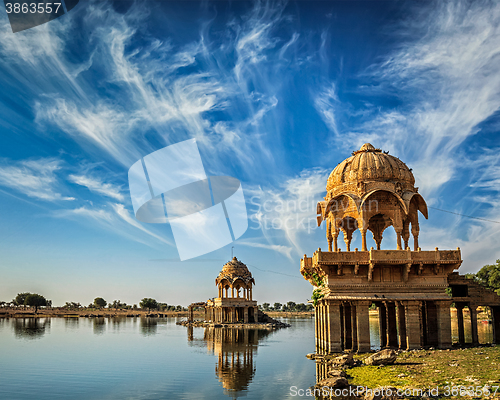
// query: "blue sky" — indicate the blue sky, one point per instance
point(276, 94)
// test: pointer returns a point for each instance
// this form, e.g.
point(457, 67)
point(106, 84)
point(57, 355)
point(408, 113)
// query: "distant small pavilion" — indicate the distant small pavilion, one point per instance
point(234, 303)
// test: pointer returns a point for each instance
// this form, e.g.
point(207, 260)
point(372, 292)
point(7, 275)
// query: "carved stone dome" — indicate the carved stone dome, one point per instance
point(370, 164)
point(233, 270)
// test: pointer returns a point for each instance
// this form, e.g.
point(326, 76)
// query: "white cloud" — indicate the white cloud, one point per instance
point(326, 103)
point(285, 250)
point(115, 218)
point(34, 178)
point(96, 185)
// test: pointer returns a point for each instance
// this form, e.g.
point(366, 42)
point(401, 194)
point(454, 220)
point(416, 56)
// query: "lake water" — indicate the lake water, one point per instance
point(153, 358)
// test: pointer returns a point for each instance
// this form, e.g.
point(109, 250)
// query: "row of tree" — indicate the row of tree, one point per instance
point(36, 300)
point(290, 306)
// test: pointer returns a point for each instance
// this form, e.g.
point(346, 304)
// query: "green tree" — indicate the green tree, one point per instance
point(489, 276)
point(265, 306)
point(20, 299)
point(149, 303)
point(290, 306)
point(35, 300)
point(99, 302)
point(277, 306)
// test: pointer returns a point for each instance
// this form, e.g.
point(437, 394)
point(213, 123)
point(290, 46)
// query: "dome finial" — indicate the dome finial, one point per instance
point(367, 147)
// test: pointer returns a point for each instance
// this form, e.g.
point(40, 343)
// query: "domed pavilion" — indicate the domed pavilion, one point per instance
point(372, 191)
point(234, 303)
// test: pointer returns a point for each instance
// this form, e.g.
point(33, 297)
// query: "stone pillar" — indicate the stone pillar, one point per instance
point(342, 327)
point(382, 323)
point(245, 315)
point(335, 237)
point(363, 240)
point(412, 312)
point(347, 327)
point(460, 321)
point(354, 326)
point(190, 314)
point(398, 240)
point(316, 329)
point(473, 324)
point(334, 325)
point(444, 323)
point(495, 313)
point(392, 330)
point(414, 231)
point(401, 326)
point(432, 323)
point(363, 328)
point(320, 328)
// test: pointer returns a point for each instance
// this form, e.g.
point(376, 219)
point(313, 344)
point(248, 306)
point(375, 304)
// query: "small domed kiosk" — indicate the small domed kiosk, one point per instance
point(234, 303)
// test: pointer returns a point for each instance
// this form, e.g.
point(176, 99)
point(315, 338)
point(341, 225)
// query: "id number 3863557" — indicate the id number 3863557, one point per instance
point(32, 8)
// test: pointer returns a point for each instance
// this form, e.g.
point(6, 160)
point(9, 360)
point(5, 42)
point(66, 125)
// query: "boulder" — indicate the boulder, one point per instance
point(336, 373)
point(383, 357)
point(334, 383)
point(345, 360)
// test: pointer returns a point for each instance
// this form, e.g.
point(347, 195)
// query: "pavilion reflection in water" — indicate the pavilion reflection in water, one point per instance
point(235, 350)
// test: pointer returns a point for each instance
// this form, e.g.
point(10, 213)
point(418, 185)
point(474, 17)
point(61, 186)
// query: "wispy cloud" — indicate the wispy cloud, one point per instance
point(326, 103)
point(444, 73)
point(115, 218)
point(96, 185)
point(288, 214)
point(35, 178)
point(285, 250)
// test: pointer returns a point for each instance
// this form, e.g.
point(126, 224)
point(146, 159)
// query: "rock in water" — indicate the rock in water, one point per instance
point(383, 357)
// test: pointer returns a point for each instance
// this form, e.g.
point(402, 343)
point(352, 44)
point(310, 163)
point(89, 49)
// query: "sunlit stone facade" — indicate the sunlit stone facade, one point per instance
point(371, 191)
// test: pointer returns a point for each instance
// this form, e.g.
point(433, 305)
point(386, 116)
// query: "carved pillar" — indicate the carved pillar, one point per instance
point(334, 326)
point(398, 235)
point(363, 240)
point(363, 328)
point(232, 292)
point(414, 232)
point(245, 315)
point(406, 234)
point(412, 313)
point(335, 237)
point(460, 321)
point(444, 323)
point(401, 326)
point(329, 237)
point(347, 238)
point(382, 323)
point(473, 324)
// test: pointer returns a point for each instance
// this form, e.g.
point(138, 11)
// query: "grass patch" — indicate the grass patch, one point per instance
point(477, 366)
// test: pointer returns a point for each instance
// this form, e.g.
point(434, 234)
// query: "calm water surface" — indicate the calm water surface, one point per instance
point(134, 358)
point(153, 358)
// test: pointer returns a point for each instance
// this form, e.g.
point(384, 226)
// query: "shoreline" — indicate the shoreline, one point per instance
point(95, 313)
